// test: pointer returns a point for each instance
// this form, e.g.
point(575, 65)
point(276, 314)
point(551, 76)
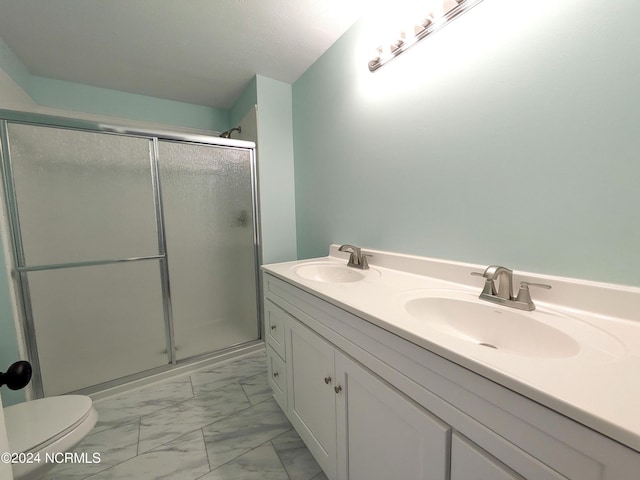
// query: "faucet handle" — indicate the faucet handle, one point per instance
point(489, 286)
point(364, 263)
point(537, 285)
point(524, 296)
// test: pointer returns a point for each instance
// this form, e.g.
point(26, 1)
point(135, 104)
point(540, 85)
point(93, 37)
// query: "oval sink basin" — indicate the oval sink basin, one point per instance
point(505, 329)
point(331, 273)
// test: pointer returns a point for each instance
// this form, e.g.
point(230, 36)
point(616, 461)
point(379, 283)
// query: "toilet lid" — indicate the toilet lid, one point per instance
point(36, 422)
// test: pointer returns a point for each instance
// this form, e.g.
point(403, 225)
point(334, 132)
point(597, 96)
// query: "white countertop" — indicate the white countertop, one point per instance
point(598, 387)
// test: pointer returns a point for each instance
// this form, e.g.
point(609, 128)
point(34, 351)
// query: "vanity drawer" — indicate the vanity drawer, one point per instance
point(277, 371)
point(275, 321)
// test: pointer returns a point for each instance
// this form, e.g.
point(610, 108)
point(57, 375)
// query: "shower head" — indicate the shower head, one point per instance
point(228, 133)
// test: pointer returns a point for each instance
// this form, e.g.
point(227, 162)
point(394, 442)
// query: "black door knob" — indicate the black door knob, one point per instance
point(17, 375)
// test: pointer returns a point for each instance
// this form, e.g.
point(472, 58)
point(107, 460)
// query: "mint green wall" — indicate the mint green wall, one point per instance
point(275, 164)
point(65, 95)
point(509, 137)
point(247, 100)
point(49, 92)
point(13, 66)
point(276, 170)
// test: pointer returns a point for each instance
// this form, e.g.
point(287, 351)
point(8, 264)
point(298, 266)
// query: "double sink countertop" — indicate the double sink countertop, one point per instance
point(578, 353)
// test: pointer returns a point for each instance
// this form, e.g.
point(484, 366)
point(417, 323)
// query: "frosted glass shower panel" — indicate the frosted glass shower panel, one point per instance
point(96, 324)
point(82, 196)
point(208, 213)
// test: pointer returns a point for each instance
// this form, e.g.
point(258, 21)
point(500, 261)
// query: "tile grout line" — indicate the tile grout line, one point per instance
point(193, 390)
point(125, 421)
point(245, 393)
point(139, 430)
point(143, 453)
point(123, 461)
point(278, 453)
point(139, 421)
point(204, 426)
point(249, 451)
point(206, 452)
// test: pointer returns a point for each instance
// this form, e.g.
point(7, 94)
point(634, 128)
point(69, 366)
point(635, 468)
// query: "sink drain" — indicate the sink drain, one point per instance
point(488, 345)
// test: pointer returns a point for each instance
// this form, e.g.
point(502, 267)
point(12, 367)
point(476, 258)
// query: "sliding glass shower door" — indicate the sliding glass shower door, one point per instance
point(132, 252)
point(207, 202)
point(84, 203)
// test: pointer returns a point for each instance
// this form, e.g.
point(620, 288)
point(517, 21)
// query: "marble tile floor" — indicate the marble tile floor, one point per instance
point(217, 423)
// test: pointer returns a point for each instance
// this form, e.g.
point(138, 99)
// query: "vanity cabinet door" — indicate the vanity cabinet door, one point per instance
point(310, 376)
point(384, 435)
point(468, 461)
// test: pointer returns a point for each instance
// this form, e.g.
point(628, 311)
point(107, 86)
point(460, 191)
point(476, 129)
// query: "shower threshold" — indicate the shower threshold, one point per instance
point(130, 382)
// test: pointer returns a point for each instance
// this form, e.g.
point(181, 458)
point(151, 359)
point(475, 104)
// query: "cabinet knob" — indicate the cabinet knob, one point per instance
point(275, 374)
point(273, 327)
point(337, 388)
point(327, 380)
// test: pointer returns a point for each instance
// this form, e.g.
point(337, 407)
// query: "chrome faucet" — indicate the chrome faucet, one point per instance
point(503, 293)
point(357, 259)
point(504, 277)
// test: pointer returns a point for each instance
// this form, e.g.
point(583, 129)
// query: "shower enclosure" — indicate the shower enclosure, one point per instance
point(133, 250)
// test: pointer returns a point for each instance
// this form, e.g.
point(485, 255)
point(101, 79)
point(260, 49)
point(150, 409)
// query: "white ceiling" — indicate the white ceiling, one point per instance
point(203, 52)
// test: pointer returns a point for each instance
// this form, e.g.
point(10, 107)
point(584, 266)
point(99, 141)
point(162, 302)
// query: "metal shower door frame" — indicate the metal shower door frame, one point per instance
point(20, 270)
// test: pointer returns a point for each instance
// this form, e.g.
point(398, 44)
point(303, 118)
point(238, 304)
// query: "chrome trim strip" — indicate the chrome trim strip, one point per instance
point(73, 123)
point(88, 263)
point(10, 195)
point(162, 248)
point(257, 236)
point(21, 284)
point(29, 326)
point(117, 386)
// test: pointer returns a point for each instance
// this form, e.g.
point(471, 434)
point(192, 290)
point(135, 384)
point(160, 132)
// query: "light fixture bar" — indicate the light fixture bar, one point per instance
point(420, 29)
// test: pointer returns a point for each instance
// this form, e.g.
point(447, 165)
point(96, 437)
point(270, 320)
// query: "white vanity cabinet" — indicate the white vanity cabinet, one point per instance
point(311, 397)
point(356, 426)
point(382, 434)
point(275, 324)
point(371, 405)
point(471, 462)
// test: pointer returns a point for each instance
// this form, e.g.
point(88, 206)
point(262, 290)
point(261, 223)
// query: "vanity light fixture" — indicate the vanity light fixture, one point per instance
point(441, 13)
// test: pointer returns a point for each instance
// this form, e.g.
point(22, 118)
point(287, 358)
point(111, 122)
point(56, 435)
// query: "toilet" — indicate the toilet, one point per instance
point(52, 426)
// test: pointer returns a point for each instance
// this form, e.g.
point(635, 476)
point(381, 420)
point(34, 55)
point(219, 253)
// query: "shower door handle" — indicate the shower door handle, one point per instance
point(17, 375)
